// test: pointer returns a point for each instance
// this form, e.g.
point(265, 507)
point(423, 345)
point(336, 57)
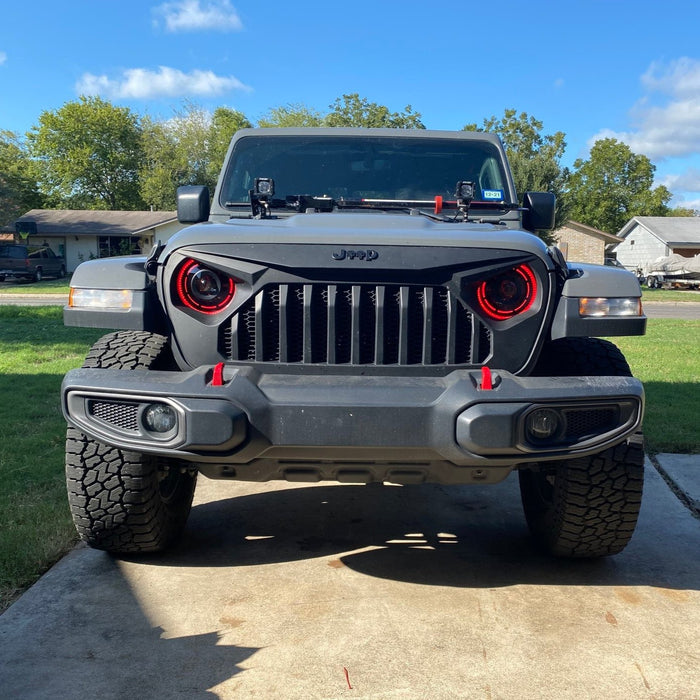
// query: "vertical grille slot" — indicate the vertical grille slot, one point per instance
point(344, 324)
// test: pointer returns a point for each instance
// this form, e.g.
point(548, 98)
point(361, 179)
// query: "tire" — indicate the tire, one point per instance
point(62, 272)
point(586, 506)
point(123, 501)
point(37, 275)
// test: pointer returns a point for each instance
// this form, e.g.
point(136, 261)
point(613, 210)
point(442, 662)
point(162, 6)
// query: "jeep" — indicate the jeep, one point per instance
point(362, 306)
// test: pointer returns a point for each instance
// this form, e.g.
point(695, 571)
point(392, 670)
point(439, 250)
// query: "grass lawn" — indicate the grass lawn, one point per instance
point(36, 350)
point(51, 286)
point(684, 295)
point(667, 360)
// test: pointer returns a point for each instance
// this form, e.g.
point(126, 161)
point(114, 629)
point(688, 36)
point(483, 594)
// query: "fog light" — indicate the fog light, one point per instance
point(542, 424)
point(160, 418)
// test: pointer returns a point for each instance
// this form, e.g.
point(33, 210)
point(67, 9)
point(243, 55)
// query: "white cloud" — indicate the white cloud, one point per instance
point(143, 84)
point(671, 129)
point(689, 181)
point(199, 15)
point(3, 57)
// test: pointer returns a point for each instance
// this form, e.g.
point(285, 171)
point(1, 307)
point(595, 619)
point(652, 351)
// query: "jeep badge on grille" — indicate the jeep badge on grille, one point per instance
point(368, 254)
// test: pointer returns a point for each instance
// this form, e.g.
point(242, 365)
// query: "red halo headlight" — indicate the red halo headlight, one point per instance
point(507, 294)
point(203, 289)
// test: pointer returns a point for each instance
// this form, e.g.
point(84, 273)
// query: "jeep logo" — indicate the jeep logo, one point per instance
point(343, 254)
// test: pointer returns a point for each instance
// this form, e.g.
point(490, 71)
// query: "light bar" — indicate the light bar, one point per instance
point(101, 299)
point(602, 306)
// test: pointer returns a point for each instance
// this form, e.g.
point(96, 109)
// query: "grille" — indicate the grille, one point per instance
point(585, 422)
point(356, 325)
point(121, 415)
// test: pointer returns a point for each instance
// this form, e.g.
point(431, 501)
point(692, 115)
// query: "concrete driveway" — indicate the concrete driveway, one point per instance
point(329, 591)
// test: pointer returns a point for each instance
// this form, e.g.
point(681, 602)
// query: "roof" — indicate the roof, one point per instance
point(60, 222)
point(671, 230)
point(590, 231)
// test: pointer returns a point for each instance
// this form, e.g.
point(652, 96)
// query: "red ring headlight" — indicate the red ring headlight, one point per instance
point(507, 294)
point(202, 289)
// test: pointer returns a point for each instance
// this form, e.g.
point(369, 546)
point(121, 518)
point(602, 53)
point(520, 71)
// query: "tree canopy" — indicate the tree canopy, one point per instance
point(187, 149)
point(348, 110)
point(93, 154)
point(613, 185)
point(89, 152)
point(19, 190)
point(535, 158)
point(353, 110)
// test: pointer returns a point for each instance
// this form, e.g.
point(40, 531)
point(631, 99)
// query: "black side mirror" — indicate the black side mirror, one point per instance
point(192, 204)
point(540, 208)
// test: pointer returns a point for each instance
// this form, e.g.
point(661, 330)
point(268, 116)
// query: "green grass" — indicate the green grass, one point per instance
point(670, 295)
point(36, 350)
point(667, 361)
point(50, 286)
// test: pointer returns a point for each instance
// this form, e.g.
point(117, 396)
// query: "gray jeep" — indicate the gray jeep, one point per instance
point(363, 306)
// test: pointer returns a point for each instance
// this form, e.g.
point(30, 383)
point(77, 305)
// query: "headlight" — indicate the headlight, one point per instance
point(203, 289)
point(121, 299)
point(601, 306)
point(508, 293)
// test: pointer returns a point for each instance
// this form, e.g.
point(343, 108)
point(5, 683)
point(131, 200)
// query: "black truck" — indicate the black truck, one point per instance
point(363, 306)
point(29, 262)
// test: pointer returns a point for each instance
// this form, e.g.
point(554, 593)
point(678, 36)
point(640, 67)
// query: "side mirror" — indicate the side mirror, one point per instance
point(540, 208)
point(192, 204)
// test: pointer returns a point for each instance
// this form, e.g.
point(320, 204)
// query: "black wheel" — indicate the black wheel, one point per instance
point(37, 275)
point(123, 501)
point(62, 272)
point(587, 506)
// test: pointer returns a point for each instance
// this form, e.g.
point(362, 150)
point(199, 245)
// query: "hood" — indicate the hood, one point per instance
point(358, 229)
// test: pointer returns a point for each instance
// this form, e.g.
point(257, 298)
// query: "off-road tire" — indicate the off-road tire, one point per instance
point(123, 501)
point(587, 506)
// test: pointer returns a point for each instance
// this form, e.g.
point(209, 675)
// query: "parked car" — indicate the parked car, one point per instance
point(30, 262)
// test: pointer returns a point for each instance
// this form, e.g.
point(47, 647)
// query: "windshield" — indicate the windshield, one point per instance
point(364, 167)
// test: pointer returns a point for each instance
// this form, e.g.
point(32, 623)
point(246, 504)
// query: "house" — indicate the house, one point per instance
point(585, 244)
point(80, 235)
point(647, 238)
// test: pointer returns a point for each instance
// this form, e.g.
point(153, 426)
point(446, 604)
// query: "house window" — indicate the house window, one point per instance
point(110, 246)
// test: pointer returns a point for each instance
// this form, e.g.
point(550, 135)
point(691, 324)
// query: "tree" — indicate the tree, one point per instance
point(19, 190)
point(348, 110)
point(224, 124)
point(89, 153)
point(187, 149)
point(353, 110)
point(535, 158)
point(291, 115)
point(613, 186)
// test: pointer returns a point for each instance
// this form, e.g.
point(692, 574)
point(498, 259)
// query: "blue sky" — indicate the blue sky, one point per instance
point(621, 68)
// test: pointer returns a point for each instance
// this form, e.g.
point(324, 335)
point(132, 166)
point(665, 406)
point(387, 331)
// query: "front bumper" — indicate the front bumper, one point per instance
point(260, 426)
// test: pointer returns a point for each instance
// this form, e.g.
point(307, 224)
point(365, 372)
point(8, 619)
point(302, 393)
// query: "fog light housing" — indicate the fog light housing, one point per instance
point(543, 424)
point(160, 418)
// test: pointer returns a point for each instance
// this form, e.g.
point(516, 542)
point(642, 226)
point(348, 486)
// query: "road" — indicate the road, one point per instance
point(330, 591)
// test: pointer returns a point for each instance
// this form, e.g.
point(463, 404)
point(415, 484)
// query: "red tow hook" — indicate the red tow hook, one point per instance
point(217, 377)
point(486, 379)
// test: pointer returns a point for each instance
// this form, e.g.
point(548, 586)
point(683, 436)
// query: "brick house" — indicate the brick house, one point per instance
point(581, 243)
